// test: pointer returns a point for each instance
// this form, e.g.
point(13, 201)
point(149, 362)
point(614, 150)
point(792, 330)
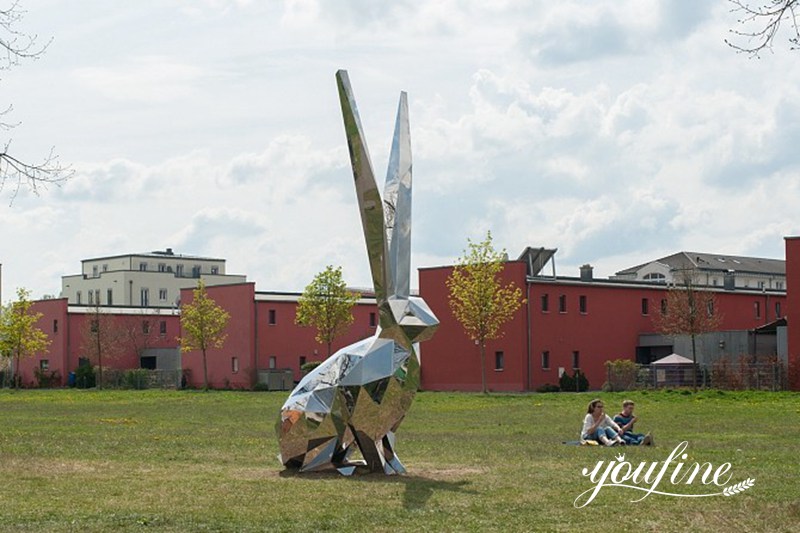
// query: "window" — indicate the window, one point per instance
point(498, 360)
point(97, 296)
point(779, 285)
point(576, 359)
point(545, 303)
point(234, 364)
point(645, 306)
point(162, 328)
point(162, 295)
point(105, 268)
point(777, 309)
point(94, 326)
point(145, 295)
point(582, 304)
point(757, 309)
point(94, 271)
point(143, 266)
point(545, 360)
point(273, 362)
point(373, 320)
point(715, 282)
point(91, 297)
point(146, 327)
point(44, 364)
point(196, 271)
point(55, 326)
point(710, 308)
point(179, 271)
point(761, 284)
point(273, 319)
point(110, 296)
point(78, 297)
point(663, 306)
point(215, 270)
point(562, 303)
point(655, 276)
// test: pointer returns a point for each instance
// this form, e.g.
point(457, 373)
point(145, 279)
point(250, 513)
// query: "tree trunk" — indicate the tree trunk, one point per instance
point(15, 375)
point(99, 360)
point(694, 363)
point(205, 372)
point(329, 348)
point(483, 367)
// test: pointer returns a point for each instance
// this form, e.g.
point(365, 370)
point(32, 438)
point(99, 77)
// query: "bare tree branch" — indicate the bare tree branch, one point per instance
point(760, 24)
point(16, 46)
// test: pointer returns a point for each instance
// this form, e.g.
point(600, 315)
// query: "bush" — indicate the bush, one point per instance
point(621, 375)
point(45, 379)
point(85, 377)
point(575, 383)
point(548, 387)
point(308, 367)
point(138, 379)
point(566, 383)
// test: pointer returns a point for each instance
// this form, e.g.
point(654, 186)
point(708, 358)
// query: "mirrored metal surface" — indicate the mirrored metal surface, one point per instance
point(352, 404)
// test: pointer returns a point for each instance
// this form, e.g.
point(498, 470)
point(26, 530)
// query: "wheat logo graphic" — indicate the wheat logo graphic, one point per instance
point(647, 477)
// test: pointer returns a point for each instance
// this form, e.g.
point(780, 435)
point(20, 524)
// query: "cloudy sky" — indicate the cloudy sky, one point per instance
point(615, 131)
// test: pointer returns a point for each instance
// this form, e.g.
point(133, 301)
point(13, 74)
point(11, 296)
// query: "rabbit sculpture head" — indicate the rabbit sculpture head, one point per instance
point(355, 400)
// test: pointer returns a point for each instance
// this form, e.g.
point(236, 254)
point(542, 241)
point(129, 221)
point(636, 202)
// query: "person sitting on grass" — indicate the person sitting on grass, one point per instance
point(625, 420)
point(598, 426)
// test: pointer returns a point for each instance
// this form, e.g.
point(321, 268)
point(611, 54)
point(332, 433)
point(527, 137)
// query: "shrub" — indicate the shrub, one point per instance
point(85, 377)
point(45, 379)
point(309, 366)
point(581, 381)
point(548, 387)
point(575, 383)
point(566, 383)
point(621, 375)
point(138, 379)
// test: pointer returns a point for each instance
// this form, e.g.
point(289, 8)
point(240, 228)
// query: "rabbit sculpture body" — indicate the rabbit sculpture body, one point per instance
point(356, 399)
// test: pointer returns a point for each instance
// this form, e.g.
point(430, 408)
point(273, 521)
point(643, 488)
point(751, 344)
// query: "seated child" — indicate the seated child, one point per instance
point(625, 420)
point(597, 425)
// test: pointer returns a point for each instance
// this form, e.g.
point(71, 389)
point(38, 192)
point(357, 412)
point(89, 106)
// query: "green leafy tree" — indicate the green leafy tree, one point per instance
point(478, 299)
point(203, 323)
point(327, 305)
point(19, 336)
point(689, 311)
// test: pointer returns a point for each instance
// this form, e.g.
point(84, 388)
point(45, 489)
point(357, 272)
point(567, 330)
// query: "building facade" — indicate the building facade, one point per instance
point(142, 280)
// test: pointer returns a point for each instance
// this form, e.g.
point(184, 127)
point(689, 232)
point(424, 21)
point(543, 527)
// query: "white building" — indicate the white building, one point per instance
point(724, 271)
point(152, 279)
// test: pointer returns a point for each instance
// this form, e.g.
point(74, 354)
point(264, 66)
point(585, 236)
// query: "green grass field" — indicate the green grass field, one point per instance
point(192, 461)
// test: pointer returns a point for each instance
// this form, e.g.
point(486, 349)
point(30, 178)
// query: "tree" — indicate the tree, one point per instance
point(327, 305)
point(477, 298)
point(15, 47)
point(688, 311)
point(101, 335)
point(203, 323)
point(761, 23)
point(19, 336)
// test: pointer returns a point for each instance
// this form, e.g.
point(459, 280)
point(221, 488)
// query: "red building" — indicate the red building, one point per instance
point(793, 308)
point(566, 324)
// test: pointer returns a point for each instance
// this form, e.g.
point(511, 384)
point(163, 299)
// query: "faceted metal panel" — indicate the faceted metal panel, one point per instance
point(356, 399)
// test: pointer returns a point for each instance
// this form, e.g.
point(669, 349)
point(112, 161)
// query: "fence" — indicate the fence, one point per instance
point(728, 374)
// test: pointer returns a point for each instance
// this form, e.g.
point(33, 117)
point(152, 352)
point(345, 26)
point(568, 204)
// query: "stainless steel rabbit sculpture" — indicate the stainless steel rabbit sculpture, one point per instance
point(356, 399)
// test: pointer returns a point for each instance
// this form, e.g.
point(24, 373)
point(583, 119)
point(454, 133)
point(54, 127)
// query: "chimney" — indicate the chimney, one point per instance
point(587, 272)
point(169, 251)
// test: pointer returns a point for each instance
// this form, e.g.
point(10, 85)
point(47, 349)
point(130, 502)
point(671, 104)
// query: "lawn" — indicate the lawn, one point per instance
point(186, 460)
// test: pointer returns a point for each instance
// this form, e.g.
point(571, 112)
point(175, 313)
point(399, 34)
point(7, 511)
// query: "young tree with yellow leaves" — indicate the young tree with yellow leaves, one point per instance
point(478, 299)
point(203, 323)
point(19, 336)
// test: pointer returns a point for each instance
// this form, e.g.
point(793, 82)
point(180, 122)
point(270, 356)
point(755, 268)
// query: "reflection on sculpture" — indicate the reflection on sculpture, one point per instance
point(354, 401)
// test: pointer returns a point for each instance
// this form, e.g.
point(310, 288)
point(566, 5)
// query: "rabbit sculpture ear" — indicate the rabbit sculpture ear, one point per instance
point(397, 206)
point(369, 198)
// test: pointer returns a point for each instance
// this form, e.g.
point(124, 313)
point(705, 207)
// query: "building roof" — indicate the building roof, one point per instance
point(673, 359)
point(168, 253)
point(716, 262)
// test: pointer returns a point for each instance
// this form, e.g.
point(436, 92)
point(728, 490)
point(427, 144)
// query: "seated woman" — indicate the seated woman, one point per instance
point(597, 425)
